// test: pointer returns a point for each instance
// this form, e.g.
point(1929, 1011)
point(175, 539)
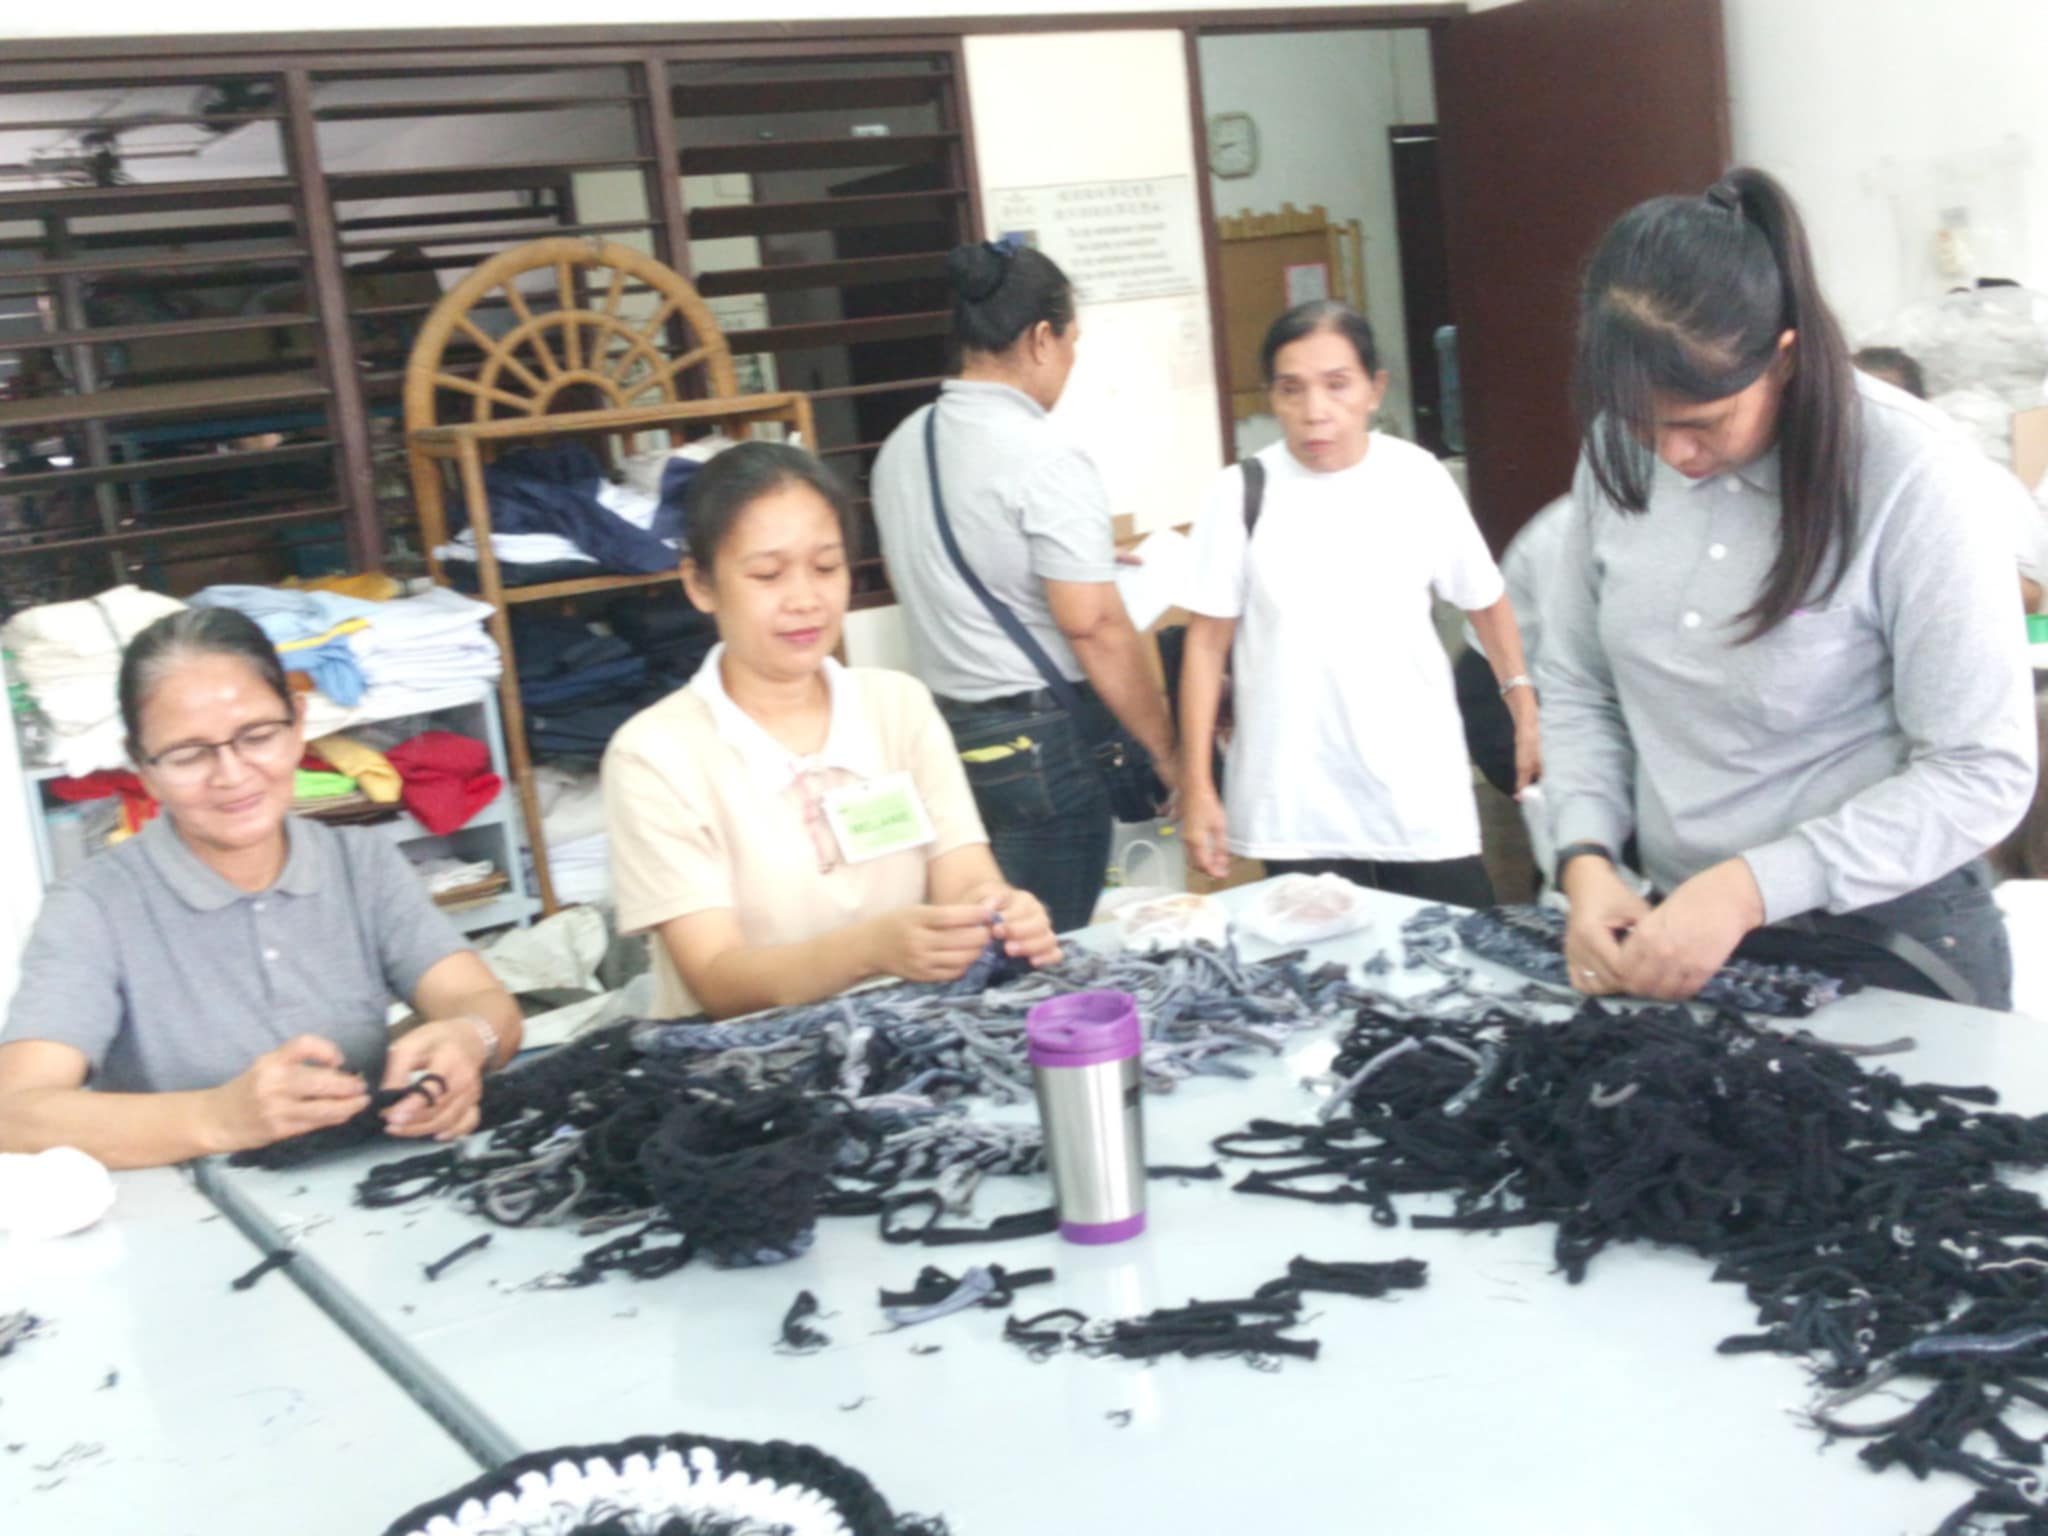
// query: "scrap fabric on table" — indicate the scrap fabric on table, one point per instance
point(1530, 939)
point(1865, 1216)
point(730, 1139)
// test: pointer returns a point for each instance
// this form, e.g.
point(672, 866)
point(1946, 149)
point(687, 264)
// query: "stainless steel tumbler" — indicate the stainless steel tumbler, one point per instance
point(1085, 1064)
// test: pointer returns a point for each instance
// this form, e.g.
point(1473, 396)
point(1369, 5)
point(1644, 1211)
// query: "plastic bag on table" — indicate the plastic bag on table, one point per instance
point(1169, 921)
point(1303, 909)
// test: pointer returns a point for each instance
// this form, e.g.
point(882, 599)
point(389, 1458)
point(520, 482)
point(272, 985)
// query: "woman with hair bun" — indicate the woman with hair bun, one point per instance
point(1029, 517)
point(1780, 646)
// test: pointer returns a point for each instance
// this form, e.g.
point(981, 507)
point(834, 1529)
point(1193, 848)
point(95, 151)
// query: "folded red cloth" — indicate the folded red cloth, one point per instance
point(138, 805)
point(446, 778)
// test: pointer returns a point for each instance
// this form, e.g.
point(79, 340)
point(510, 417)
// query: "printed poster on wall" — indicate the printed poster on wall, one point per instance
point(1117, 240)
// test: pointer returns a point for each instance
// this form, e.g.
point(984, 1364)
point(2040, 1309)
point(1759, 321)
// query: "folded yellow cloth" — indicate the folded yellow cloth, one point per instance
point(372, 772)
point(370, 586)
point(345, 627)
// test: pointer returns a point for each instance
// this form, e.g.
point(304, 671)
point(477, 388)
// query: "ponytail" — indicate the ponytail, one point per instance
point(1687, 296)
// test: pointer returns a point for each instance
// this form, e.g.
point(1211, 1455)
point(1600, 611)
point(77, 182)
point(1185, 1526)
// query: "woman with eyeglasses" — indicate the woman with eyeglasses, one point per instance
point(221, 981)
point(784, 827)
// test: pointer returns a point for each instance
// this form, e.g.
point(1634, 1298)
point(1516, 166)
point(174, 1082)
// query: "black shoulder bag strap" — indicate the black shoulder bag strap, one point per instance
point(1007, 621)
point(1254, 494)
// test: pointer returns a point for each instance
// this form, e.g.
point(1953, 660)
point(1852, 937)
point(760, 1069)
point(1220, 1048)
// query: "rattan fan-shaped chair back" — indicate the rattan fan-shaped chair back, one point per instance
point(582, 352)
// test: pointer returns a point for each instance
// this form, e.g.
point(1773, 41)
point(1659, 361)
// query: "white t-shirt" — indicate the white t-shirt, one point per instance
point(1348, 743)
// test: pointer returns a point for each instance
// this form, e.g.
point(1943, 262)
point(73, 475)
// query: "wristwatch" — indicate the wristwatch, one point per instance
point(1572, 851)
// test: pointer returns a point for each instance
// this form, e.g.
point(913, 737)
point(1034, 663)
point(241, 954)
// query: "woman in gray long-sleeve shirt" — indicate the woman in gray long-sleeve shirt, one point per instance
point(1782, 651)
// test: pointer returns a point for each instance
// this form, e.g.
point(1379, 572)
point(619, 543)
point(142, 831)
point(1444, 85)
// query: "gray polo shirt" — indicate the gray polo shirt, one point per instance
point(1867, 745)
point(1027, 507)
point(169, 977)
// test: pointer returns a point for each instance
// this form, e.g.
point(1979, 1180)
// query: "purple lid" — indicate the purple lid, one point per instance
point(1083, 1029)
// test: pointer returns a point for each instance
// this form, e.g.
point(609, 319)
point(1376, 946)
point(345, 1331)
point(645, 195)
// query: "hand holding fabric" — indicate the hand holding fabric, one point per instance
point(930, 943)
point(1605, 909)
point(304, 1085)
point(1020, 921)
point(452, 1050)
point(1683, 941)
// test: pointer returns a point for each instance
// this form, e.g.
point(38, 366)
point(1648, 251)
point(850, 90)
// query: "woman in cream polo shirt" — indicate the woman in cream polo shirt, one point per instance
point(785, 827)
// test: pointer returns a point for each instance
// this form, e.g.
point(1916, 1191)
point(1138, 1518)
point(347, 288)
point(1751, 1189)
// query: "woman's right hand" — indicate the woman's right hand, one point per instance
point(1204, 832)
point(303, 1085)
point(930, 943)
point(1604, 908)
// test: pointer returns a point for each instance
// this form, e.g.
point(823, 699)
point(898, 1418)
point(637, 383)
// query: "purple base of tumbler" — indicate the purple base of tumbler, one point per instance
point(1103, 1232)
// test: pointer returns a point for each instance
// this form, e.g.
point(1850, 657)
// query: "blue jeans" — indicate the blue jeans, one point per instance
point(1040, 797)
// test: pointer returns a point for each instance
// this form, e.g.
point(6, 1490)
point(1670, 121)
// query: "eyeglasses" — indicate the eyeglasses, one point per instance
point(259, 742)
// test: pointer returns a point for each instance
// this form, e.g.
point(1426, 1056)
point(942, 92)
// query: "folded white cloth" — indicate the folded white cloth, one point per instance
point(516, 548)
point(571, 804)
point(448, 874)
point(53, 1193)
point(68, 656)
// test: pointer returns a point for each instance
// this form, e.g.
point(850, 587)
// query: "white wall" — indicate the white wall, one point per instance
point(1322, 103)
point(1880, 114)
point(1143, 397)
point(143, 18)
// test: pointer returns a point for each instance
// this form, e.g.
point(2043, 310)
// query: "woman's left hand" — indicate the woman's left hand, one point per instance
point(1673, 951)
point(1026, 930)
point(453, 1051)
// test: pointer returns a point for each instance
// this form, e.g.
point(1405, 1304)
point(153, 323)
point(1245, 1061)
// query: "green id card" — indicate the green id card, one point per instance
point(878, 818)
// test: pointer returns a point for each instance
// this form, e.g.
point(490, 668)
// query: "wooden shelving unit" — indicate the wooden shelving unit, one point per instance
point(586, 343)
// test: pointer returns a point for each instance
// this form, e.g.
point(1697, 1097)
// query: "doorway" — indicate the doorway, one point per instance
point(1298, 142)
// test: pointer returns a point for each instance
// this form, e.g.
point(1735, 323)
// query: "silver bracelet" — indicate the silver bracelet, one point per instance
point(487, 1034)
point(1519, 680)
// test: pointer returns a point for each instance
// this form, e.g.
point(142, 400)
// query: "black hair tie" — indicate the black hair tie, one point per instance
point(1724, 196)
point(1004, 253)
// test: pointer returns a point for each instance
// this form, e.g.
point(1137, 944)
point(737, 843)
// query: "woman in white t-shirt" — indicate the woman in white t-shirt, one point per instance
point(1347, 755)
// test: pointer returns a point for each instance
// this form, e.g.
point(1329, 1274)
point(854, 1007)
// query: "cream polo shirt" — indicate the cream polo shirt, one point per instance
point(707, 811)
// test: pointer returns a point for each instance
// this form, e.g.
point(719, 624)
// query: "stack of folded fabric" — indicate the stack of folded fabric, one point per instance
point(446, 778)
point(674, 637)
point(454, 882)
point(578, 685)
point(428, 644)
point(68, 656)
point(556, 517)
point(572, 822)
point(138, 805)
point(312, 632)
point(552, 506)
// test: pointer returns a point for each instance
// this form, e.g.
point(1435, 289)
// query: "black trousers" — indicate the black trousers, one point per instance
point(1457, 882)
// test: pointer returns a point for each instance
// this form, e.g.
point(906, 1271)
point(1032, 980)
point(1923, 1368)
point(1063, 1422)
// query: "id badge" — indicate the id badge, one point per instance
point(878, 818)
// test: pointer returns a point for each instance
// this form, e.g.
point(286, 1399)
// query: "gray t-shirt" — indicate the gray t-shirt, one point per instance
point(1869, 744)
point(168, 977)
point(1027, 507)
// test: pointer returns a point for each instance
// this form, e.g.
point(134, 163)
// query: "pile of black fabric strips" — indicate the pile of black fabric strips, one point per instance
point(1254, 1329)
point(1865, 1216)
point(729, 1139)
